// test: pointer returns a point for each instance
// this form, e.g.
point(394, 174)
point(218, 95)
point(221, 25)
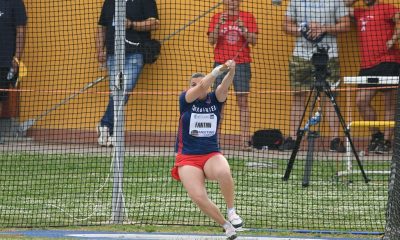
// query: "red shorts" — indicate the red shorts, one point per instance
point(192, 160)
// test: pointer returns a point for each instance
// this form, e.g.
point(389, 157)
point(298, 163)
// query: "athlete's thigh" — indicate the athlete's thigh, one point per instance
point(192, 178)
point(216, 166)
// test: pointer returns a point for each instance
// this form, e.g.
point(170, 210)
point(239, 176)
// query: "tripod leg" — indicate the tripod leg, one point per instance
point(289, 167)
point(312, 135)
point(346, 131)
point(300, 134)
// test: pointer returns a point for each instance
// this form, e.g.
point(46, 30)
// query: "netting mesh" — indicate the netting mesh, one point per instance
point(391, 229)
point(54, 173)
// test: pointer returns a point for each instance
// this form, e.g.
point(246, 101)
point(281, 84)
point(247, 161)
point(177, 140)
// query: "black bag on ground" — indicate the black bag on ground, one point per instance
point(272, 138)
point(151, 50)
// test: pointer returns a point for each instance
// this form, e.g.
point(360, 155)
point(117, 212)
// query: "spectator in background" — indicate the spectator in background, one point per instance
point(378, 29)
point(325, 19)
point(231, 32)
point(198, 155)
point(141, 19)
point(13, 20)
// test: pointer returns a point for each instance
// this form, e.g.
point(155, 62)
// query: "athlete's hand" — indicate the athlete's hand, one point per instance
point(231, 64)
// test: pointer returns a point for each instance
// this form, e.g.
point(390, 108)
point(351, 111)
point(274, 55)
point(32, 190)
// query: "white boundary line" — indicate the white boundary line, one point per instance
point(148, 236)
point(93, 235)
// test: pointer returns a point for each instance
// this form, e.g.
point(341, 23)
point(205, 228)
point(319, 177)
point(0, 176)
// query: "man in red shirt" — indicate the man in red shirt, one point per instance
point(378, 29)
point(231, 32)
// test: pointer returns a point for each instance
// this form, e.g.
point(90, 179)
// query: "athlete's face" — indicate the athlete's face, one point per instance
point(194, 82)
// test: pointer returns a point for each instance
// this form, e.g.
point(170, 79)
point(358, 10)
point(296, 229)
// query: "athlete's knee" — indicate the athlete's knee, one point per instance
point(223, 174)
point(198, 196)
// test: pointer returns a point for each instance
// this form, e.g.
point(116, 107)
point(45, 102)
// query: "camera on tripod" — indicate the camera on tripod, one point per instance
point(320, 60)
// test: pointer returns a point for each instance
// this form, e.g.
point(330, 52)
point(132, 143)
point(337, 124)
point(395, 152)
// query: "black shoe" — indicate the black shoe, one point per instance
point(383, 147)
point(337, 145)
point(288, 144)
point(377, 140)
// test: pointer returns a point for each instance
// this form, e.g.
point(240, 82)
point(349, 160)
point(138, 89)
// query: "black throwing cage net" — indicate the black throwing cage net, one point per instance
point(64, 161)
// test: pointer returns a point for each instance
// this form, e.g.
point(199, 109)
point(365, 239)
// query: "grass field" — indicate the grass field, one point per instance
point(43, 190)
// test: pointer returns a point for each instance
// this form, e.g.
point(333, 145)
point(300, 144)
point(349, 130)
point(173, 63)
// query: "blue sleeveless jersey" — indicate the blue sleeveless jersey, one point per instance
point(198, 125)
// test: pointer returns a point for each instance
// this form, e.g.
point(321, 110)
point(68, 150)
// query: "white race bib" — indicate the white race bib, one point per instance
point(203, 124)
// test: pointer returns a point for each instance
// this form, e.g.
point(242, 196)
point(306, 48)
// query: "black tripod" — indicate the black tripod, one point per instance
point(320, 61)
